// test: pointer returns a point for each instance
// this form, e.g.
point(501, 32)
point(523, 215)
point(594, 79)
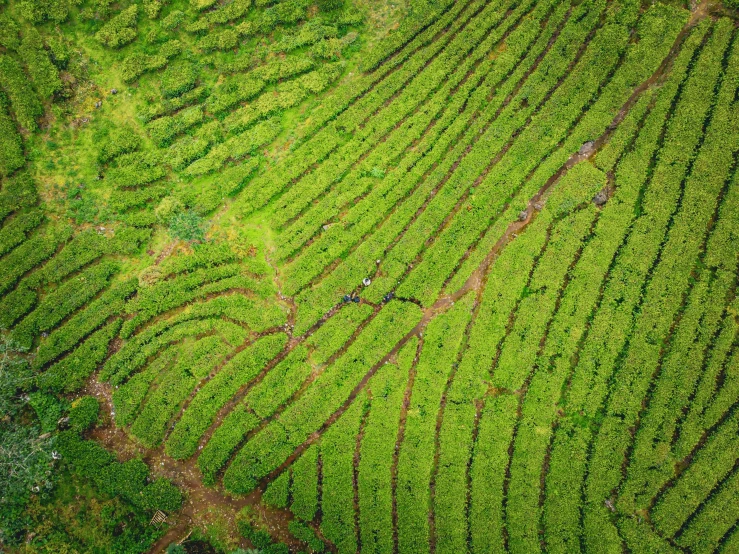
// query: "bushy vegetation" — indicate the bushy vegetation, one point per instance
point(120, 29)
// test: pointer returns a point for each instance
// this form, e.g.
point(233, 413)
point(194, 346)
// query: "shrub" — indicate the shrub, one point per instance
point(137, 64)
point(127, 479)
point(22, 97)
point(152, 8)
point(120, 30)
point(43, 73)
point(168, 208)
point(258, 537)
point(178, 78)
point(26, 459)
point(9, 32)
point(84, 413)
point(164, 129)
point(172, 20)
point(48, 409)
point(304, 533)
point(162, 495)
point(38, 10)
point(18, 192)
point(121, 141)
point(58, 51)
point(330, 5)
point(11, 146)
point(71, 372)
point(87, 458)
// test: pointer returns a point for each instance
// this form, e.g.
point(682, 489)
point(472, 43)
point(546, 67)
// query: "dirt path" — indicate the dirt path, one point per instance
point(202, 504)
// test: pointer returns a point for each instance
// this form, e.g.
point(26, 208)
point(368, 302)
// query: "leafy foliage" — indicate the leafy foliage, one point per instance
point(119, 30)
point(188, 226)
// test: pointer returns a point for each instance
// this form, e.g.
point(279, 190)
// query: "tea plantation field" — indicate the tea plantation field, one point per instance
point(449, 276)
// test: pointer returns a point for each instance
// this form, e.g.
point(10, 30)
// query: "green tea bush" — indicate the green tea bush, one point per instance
point(152, 8)
point(83, 413)
point(168, 208)
point(23, 99)
point(43, 73)
point(276, 70)
point(310, 33)
point(58, 50)
point(61, 302)
point(330, 5)
point(17, 192)
point(164, 129)
point(307, 535)
point(29, 254)
point(135, 169)
point(120, 30)
point(186, 150)
point(162, 495)
point(178, 78)
point(9, 32)
point(201, 5)
point(223, 40)
point(123, 200)
point(137, 64)
point(234, 90)
point(277, 492)
point(170, 105)
point(173, 20)
point(224, 13)
point(71, 372)
point(18, 229)
point(171, 48)
point(37, 11)
point(121, 140)
point(11, 145)
point(48, 409)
